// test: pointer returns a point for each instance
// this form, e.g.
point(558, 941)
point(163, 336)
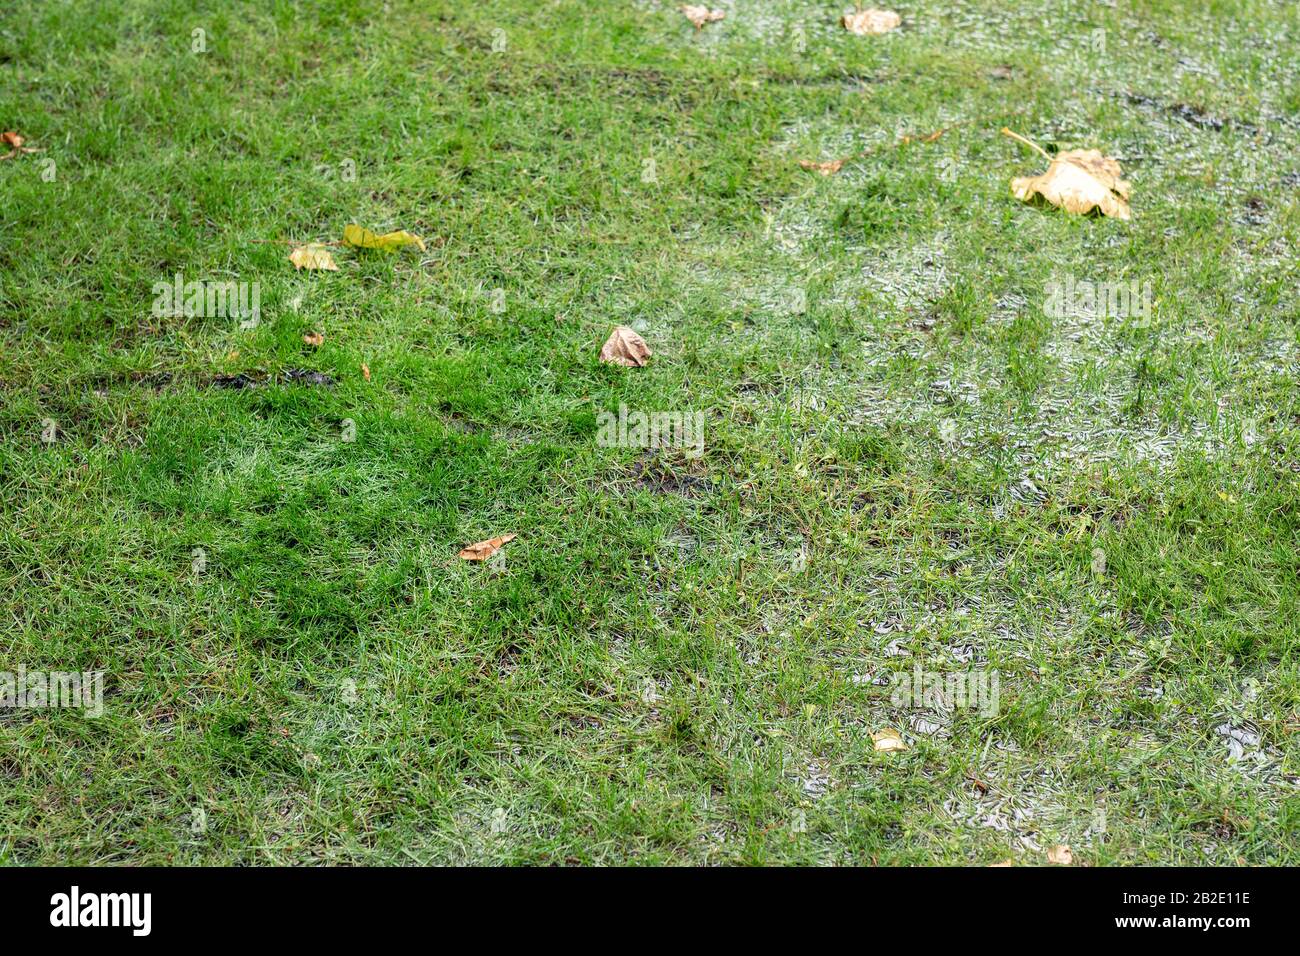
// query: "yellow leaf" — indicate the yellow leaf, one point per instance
point(389, 242)
point(314, 339)
point(888, 740)
point(1078, 181)
point(699, 15)
point(1060, 855)
point(313, 256)
point(868, 22)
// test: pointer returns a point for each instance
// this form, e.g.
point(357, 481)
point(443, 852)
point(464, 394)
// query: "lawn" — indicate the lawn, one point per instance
point(911, 460)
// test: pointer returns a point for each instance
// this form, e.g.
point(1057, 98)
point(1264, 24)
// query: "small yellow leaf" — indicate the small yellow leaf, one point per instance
point(699, 15)
point(826, 169)
point(869, 22)
point(314, 339)
point(888, 740)
point(389, 242)
point(365, 371)
point(313, 256)
point(483, 550)
point(1060, 855)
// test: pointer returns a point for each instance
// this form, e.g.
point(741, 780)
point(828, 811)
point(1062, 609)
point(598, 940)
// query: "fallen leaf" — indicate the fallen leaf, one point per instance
point(1078, 181)
point(625, 347)
point(365, 371)
point(1060, 855)
point(870, 22)
point(315, 339)
point(14, 140)
point(313, 256)
point(485, 549)
point(888, 740)
point(699, 15)
point(927, 138)
point(825, 169)
point(388, 242)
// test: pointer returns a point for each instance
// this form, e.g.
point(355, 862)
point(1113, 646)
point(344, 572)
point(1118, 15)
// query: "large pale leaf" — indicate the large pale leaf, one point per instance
point(1079, 181)
point(700, 15)
point(870, 22)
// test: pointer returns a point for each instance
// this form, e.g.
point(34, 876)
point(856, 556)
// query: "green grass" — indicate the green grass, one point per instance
point(653, 676)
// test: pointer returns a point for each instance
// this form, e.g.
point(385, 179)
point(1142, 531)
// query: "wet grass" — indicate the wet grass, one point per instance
point(908, 459)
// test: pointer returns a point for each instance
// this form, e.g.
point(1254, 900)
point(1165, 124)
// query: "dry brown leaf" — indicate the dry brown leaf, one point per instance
point(1060, 855)
point(888, 740)
point(483, 550)
point(14, 140)
point(824, 168)
point(314, 339)
point(871, 22)
point(625, 347)
point(1078, 181)
point(365, 371)
point(700, 15)
point(313, 256)
point(927, 138)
